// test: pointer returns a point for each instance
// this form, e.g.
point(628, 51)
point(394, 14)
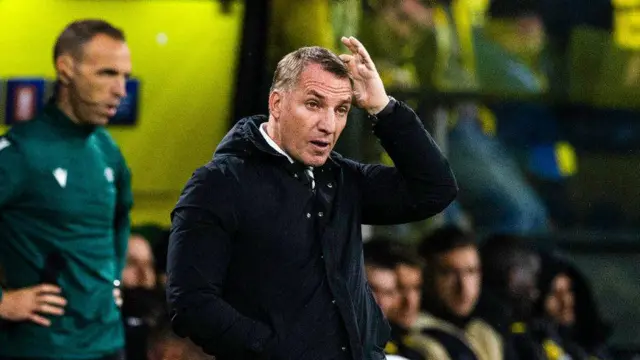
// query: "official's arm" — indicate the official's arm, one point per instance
point(203, 226)
point(122, 225)
point(12, 175)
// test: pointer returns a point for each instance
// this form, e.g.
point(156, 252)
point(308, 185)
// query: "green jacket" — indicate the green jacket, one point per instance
point(64, 193)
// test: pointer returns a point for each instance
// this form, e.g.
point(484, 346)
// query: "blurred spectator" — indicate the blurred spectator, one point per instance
point(163, 344)
point(511, 268)
point(453, 57)
point(409, 272)
point(386, 261)
point(404, 317)
point(392, 31)
point(381, 274)
point(139, 270)
point(448, 329)
point(141, 309)
point(143, 303)
point(567, 302)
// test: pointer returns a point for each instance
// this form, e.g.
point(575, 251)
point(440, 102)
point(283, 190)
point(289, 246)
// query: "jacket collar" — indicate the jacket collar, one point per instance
point(53, 115)
point(245, 138)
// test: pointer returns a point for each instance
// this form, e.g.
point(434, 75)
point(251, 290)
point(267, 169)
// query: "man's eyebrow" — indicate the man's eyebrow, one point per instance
point(316, 94)
point(346, 101)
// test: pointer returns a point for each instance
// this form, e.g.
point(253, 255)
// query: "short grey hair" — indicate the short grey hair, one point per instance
point(291, 66)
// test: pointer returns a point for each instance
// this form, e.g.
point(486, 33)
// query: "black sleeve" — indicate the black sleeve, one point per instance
point(419, 186)
point(203, 226)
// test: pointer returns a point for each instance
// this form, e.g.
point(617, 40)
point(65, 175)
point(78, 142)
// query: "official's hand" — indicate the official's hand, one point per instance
point(368, 88)
point(29, 304)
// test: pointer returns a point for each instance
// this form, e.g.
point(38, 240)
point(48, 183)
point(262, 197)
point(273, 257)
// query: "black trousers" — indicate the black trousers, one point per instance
point(119, 355)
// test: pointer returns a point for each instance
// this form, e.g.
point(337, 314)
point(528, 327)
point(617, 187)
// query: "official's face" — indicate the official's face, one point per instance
point(310, 117)
point(97, 80)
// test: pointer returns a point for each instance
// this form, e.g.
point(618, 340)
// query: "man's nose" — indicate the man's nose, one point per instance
point(328, 122)
point(120, 87)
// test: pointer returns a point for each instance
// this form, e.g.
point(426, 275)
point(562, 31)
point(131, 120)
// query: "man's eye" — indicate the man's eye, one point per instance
point(343, 110)
point(312, 104)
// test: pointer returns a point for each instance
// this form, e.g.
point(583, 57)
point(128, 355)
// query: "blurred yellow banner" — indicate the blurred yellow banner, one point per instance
point(625, 3)
point(627, 27)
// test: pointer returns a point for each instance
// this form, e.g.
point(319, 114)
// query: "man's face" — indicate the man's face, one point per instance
point(97, 79)
point(410, 289)
point(139, 271)
point(559, 304)
point(457, 277)
point(311, 115)
point(383, 283)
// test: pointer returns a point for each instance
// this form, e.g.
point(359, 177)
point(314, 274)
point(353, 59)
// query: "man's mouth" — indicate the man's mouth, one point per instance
point(321, 144)
point(112, 109)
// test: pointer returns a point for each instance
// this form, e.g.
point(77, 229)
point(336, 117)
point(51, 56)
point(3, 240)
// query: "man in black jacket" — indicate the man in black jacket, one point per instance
point(265, 253)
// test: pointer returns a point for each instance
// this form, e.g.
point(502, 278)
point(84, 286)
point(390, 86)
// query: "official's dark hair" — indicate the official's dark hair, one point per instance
point(78, 33)
point(445, 239)
point(291, 66)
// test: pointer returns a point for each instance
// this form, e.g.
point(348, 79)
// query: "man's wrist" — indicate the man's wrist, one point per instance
point(376, 109)
point(388, 109)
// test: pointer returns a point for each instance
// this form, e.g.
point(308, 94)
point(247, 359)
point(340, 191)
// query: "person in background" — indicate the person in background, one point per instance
point(164, 344)
point(265, 254)
point(64, 208)
point(139, 271)
point(567, 302)
point(380, 266)
point(404, 318)
point(143, 301)
point(449, 328)
point(511, 268)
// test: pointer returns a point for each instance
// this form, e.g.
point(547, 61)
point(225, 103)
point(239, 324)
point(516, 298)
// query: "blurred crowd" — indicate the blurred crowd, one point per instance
point(452, 295)
point(148, 333)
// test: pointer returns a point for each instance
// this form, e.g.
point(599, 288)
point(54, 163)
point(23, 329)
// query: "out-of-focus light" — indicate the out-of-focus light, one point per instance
point(162, 38)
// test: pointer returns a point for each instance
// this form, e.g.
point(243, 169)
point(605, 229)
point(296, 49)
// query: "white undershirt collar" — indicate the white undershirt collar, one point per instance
point(272, 143)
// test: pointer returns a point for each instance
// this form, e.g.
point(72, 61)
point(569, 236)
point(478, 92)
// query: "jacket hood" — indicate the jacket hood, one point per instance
point(244, 137)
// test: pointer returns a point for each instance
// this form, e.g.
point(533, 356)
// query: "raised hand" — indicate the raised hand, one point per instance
point(369, 91)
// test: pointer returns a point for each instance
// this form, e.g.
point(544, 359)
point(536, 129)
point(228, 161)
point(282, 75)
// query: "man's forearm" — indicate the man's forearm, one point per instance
point(421, 184)
point(411, 147)
point(219, 328)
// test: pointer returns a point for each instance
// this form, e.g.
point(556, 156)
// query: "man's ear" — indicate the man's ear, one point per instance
point(276, 103)
point(64, 67)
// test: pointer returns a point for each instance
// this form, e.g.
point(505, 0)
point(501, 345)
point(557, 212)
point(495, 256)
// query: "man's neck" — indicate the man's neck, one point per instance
point(63, 103)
